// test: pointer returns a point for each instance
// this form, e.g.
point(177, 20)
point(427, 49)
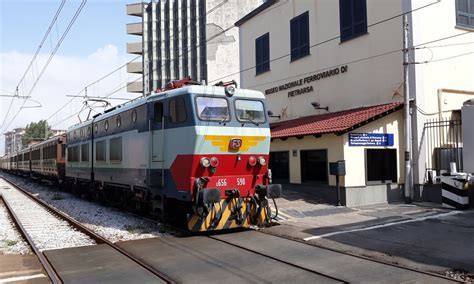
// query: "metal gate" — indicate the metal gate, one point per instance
point(444, 145)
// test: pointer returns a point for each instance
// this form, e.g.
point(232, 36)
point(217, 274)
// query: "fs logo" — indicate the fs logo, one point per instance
point(235, 143)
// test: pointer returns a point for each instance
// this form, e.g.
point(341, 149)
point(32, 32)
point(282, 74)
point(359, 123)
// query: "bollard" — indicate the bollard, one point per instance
point(454, 191)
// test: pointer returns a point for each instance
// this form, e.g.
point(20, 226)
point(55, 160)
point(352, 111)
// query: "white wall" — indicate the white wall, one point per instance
point(429, 24)
point(355, 156)
point(223, 48)
point(368, 82)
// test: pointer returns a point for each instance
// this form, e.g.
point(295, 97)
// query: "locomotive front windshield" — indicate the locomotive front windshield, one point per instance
point(249, 110)
point(209, 108)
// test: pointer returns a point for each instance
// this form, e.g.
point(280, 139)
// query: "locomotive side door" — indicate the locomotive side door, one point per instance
point(157, 155)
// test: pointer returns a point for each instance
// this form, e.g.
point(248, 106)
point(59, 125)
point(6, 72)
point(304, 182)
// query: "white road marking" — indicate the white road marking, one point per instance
point(11, 273)
point(288, 217)
point(384, 225)
point(21, 278)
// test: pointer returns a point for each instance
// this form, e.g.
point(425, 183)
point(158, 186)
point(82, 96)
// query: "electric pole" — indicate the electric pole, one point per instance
point(407, 119)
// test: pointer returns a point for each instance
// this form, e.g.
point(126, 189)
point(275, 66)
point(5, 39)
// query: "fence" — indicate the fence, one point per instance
point(444, 145)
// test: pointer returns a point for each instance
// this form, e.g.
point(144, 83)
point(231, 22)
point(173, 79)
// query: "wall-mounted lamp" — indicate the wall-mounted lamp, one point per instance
point(316, 105)
point(270, 114)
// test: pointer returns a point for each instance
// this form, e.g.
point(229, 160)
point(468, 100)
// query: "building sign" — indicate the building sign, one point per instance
point(370, 139)
point(299, 83)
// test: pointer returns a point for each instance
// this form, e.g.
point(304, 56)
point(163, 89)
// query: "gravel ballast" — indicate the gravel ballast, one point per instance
point(108, 222)
point(46, 230)
point(11, 241)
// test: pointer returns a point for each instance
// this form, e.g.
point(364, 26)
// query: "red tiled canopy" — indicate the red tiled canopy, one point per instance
point(336, 122)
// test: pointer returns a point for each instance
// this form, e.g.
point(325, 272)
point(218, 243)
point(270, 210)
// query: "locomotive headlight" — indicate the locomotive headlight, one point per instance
point(252, 161)
point(230, 90)
point(214, 162)
point(262, 161)
point(205, 162)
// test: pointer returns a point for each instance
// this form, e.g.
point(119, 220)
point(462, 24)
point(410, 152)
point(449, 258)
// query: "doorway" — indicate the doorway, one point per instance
point(314, 166)
point(280, 166)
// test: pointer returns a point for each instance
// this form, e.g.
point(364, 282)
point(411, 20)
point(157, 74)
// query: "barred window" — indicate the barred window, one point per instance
point(115, 153)
point(100, 151)
point(381, 165)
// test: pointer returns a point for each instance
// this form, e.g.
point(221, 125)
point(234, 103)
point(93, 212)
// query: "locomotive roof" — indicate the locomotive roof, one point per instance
point(194, 89)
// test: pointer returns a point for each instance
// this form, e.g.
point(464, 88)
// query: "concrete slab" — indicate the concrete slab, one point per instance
point(97, 264)
point(349, 268)
point(199, 259)
point(21, 269)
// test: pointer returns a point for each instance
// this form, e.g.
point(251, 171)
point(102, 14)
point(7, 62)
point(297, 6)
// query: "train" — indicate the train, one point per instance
point(190, 154)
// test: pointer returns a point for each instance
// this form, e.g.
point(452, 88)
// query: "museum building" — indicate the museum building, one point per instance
point(333, 76)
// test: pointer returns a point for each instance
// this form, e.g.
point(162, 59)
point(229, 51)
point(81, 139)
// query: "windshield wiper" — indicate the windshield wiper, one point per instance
point(249, 120)
point(223, 120)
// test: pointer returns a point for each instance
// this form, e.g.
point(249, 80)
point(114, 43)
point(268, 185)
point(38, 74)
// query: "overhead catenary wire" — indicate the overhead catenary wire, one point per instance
point(219, 5)
point(71, 23)
point(53, 21)
point(368, 58)
point(91, 84)
point(330, 39)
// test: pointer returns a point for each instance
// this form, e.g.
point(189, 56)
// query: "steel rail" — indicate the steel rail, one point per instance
point(364, 257)
point(99, 239)
point(279, 260)
point(48, 268)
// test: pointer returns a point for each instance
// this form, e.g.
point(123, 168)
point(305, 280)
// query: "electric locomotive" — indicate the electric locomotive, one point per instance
point(188, 153)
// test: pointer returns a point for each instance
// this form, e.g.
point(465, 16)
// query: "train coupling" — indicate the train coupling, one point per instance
point(270, 191)
point(232, 193)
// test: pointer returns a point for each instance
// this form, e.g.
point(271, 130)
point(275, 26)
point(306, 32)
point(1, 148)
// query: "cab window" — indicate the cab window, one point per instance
point(249, 111)
point(212, 109)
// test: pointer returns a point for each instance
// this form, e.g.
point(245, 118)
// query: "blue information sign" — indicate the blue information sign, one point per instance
point(370, 139)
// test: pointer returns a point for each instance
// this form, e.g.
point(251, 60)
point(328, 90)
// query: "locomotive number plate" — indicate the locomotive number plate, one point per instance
point(229, 182)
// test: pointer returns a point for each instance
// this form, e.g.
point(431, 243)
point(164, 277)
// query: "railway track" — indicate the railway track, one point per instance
point(226, 254)
point(29, 214)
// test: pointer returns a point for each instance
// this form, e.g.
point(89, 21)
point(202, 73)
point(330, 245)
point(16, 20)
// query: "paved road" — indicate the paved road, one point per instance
point(421, 236)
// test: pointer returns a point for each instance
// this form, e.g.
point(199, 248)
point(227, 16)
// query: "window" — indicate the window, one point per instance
point(106, 125)
point(314, 166)
point(353, 18)
point(216, 109)
point(118, 120)
point(134, 115)
point(100, 151)
point(250, 111)
point(85, 152)
point(465, 13)
point(177, 110)
point(262, 53)
point(381, 165)
point(73, 154)
point(115, 149)
point(96, 128)
point(158, 112)
point(299, 30)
